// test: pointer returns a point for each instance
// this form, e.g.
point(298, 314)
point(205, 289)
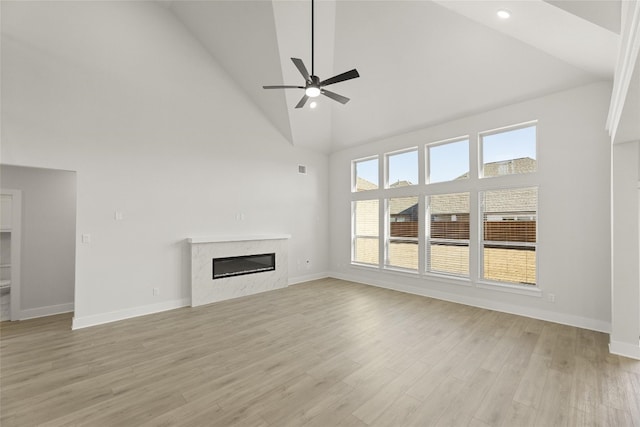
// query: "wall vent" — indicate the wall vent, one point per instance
point(302, 169)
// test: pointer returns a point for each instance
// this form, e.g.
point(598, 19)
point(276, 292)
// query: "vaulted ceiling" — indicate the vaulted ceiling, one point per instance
point(420, 62)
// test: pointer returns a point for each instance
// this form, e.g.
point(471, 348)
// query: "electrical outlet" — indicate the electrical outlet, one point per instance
point(156, 292)
point(86, 238)
point(551, 297)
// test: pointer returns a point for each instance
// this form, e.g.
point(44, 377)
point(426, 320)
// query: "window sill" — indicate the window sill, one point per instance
point(400, 270)
point(533, 291)
point(449, 279)
point(363, 265)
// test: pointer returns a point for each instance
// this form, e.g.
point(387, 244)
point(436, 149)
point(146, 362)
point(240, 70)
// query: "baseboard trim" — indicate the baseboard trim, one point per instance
point(50, 310)
point(309, 277)
point(114, 316)
point(625, 349)
point(549, 316)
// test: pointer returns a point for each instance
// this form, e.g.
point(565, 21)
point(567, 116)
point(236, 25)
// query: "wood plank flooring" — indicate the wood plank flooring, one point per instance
point(324, 353)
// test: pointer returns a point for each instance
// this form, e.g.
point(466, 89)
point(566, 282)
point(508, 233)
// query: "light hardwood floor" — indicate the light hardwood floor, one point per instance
point(325, 353)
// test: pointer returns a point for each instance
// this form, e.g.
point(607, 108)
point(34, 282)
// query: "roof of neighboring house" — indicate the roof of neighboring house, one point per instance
point(404, 206)
point(363, 184)
point(507, 167)
point(398, 183)
point(496, 201)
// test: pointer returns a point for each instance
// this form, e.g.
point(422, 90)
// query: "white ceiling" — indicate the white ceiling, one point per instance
point(421, 62)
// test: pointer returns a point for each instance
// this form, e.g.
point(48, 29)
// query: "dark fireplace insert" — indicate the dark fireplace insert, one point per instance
point(245, 264)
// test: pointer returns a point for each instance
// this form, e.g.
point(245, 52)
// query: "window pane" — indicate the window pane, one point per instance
point(509, 223)
point(449, 161)
point(449, 258)
point(448, 249)
point(509, 152)
point(366, 250)
point(403, 232)
point(513, 265)
point(403, 169)
point(366, 218)
point(366, 173)
point(403, 253)
point(365, 229)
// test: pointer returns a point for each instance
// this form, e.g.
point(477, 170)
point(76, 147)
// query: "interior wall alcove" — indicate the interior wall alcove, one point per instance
point(47, 267)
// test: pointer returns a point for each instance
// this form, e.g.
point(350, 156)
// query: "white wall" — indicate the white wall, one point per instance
point(574, 214)
point(625, 294)
point(122, 94)
point(48, 238)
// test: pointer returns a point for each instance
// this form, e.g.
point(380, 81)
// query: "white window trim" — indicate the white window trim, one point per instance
point(475, 185)
point(388, 238)
point(354, 173)
point(499, 130)
point(355, 236)
point(427, 160)
point(493, 284)
point(428, 239)
point(387, 185)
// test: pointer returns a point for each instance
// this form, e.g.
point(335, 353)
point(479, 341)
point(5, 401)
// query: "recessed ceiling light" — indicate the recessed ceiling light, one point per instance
point(503, 14)
point(313, 104)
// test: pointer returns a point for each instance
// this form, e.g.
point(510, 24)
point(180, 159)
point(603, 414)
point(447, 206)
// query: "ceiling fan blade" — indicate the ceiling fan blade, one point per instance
point(282, 87)
point(351, 74)
point(302, 102)
point(341, 99)
point(303, 70)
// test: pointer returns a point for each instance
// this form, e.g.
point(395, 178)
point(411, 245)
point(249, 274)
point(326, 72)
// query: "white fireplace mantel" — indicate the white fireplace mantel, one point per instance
point(243, 238)
point(205, 289)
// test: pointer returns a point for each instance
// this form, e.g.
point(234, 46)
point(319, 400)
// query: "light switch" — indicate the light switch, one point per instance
point(86, 238)
point(118, 215)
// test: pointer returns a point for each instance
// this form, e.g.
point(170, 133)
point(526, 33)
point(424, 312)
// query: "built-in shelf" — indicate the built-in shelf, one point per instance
point(5, 265)
point(4, 284)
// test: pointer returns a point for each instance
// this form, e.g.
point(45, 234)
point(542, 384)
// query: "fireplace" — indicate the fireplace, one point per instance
point(241, 265)
point(222, 266)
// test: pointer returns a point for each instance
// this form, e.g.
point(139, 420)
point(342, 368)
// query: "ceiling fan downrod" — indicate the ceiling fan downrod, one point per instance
point(313, 85)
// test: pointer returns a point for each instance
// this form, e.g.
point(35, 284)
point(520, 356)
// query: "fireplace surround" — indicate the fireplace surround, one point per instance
point(213, 281)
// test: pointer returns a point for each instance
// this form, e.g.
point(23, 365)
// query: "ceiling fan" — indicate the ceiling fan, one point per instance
point(313, 86)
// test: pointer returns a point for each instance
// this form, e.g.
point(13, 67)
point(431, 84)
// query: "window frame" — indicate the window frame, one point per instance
point(429, 239)
point(355, 236)
point(427, 159)
point(535, 287)
point(473, 184)
point(496, 131)
point(388, 239)
point(387, 184)
point(354, 173)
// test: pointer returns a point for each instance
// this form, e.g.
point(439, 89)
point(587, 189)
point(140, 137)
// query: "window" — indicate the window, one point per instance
point(509, 152)
point(447, 161)
point(509, 235)
point(365, 232)
point(365, 174)
point(402, 226)
point(448, 234)
point(402, 169)
point(452, 211)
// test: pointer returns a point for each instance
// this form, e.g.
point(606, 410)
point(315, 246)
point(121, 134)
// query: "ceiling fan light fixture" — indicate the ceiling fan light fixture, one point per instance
point(503, 14)
point(313, 86)
point(312, 91)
